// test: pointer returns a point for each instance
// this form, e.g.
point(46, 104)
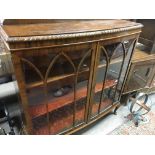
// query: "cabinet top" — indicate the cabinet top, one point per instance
point(58, 29)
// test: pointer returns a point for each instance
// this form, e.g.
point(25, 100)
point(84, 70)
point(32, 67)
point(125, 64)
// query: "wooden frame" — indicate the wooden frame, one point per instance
point(20, 46)
point(140, 60)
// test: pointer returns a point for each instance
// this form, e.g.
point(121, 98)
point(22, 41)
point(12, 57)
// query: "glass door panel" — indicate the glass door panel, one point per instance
point(129, 47)
point(70, 92)
point(99, 83)
point(82, 81)
point(108, 72)
point(60, 92)
point(56, 84)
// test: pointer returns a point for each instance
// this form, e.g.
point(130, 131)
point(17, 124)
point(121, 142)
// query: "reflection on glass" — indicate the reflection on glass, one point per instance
point(57, 88)
point(82, 88)
point(129, 48)
point(61, 119)
point(40, 125)
point(108, 73)
point(61, 96)
point(100, 78)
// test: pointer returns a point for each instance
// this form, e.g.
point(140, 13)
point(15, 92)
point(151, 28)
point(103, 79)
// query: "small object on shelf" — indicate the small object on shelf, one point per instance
point(85, 65)
point(62, 91)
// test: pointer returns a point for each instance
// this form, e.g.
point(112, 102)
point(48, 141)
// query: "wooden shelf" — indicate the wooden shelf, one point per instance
point(56, 78)
point(53, 79)
point(36, 111)
point(65, 122)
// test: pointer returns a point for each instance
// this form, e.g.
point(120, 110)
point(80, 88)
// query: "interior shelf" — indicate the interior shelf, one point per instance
point(59, 124)
point(66, 122)
point(38, 110)
point(56, 78)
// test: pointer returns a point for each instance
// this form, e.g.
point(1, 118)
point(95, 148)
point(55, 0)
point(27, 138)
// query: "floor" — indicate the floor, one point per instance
point(111, 122)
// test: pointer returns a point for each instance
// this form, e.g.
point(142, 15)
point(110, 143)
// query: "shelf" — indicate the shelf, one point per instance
point(36, 111)
point(61, 77)
point(56, 78)
point(60, 124)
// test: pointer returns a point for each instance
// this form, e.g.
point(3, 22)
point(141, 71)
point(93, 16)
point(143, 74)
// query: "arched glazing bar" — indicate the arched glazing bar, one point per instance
point(122, 63)
point(104, 80)
point(31, 65)
point(87, 54)
point(132, 46)
point(62, 54)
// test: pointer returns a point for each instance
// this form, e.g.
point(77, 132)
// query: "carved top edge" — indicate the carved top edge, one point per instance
point(69, 35)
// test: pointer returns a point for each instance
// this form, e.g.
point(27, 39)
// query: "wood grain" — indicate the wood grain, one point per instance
point(66, 27)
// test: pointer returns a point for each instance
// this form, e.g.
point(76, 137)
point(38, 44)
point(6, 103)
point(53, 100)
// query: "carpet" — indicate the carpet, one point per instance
point(144, 128)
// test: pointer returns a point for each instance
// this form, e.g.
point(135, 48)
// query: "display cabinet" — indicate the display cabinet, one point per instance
point(141, 72)
point(69, 73)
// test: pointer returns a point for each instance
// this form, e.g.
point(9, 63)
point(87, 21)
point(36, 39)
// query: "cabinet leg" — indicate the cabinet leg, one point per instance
point(115, 110)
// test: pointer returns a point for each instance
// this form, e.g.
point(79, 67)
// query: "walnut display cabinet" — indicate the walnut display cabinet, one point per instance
point(70, 73)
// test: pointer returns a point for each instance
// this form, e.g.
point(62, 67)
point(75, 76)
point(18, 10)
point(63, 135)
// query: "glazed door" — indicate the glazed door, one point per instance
point(140, 75)
point(110, 70)
point(57, 83)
